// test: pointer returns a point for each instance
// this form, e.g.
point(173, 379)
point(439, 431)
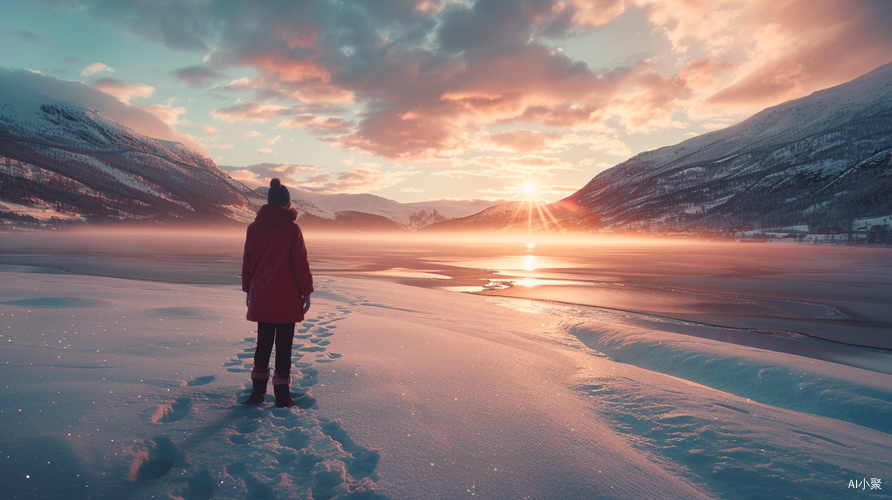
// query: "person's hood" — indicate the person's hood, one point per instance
point(273, 215)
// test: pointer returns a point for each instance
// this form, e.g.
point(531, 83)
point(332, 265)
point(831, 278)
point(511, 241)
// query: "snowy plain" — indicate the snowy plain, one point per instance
point(125, 358)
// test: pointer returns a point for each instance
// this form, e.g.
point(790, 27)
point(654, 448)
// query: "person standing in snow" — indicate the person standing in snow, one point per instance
point(276, 276)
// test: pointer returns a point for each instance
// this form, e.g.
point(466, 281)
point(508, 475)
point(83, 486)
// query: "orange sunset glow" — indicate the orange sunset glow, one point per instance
point(445, 249)
point(429, 100)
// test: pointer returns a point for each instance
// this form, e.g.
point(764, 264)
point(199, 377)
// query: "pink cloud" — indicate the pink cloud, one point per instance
point(428, 77)
point(167, 113)
point(314, 92)
point(247, 178)
point(121, 91)
point(419, 102)
point(251, 112)
point(518, 141)
point(287, 67)
point(781, 49)
point(523, 83)
point(593, 13)
point(516, 167)
point(415, 135)
point(609, 145)
point(260, 174)
point(362, 179)
point(652, 102)
point(317, 124)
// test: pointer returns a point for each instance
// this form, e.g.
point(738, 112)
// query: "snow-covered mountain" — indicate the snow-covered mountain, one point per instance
point(406, 215)
point(821, 160)
point(61, 162)
point(64, 161)
point(514, 215)
point(824, 159)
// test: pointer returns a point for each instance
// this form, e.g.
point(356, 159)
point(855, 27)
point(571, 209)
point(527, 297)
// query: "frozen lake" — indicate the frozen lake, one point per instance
point(834, 293)
point(504, 368)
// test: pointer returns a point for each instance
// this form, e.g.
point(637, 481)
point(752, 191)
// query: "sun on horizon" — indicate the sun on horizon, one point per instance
point(530, 191)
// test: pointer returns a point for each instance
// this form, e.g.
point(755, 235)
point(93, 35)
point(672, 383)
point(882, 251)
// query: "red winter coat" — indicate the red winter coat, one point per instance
point(275, 271)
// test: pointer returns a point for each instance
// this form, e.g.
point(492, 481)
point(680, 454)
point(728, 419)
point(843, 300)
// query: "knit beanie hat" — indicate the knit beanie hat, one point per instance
point(278, 194)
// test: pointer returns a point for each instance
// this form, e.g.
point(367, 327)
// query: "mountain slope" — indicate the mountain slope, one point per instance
point(64, 160)
point(822, 160)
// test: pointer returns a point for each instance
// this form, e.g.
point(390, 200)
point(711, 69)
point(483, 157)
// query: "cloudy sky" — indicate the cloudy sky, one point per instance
point(417, 100)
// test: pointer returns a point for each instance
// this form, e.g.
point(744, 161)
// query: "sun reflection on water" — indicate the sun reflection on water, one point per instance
point(529, 263)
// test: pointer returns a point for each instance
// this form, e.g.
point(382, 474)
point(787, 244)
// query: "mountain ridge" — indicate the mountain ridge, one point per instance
point(410, 216)
point(63, 163)
point(820, 160)
point(73, 162)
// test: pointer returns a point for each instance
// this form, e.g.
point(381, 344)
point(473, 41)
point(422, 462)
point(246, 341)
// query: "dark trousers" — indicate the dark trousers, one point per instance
point(282, 334)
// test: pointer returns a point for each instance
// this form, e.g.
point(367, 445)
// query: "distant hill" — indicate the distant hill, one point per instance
point(65, 162)
point(407, 215)
point(348, 221)
point(513, 216)
point(822, 160)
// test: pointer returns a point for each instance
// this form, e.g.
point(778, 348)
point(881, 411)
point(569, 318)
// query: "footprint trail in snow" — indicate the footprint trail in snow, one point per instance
point(205, 446)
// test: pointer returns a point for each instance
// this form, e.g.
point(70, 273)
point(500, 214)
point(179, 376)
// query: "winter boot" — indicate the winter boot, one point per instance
point(259, 377)
point(281, 388)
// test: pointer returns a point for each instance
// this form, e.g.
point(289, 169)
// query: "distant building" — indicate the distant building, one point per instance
point(877, 235)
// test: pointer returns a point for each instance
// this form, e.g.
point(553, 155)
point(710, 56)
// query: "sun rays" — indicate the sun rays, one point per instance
point(538, 213)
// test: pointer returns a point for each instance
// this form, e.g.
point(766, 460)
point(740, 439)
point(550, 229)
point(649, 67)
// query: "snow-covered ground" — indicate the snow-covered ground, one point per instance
point(122, 388)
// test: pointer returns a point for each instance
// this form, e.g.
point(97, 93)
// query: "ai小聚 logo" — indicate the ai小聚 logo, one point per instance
point(864, 484)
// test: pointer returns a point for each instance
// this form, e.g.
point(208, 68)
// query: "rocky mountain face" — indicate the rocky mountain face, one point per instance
point(65, 162)
point(822, 160)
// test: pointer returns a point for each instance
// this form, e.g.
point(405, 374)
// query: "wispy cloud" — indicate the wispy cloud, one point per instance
point(317, 124)
point(122, 91)
point(251, 112)
point(96, 68)
point(167, 113)
point(363, 178)
point(505, 167)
